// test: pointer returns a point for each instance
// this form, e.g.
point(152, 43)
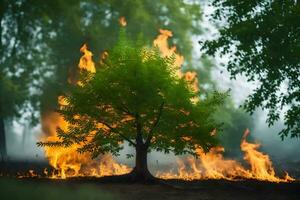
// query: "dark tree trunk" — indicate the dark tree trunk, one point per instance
point(2, 140)
point(140, 171)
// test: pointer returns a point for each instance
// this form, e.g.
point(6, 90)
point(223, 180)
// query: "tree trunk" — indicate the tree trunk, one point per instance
point(3, 154)
point(140, 171)
point(2, 140)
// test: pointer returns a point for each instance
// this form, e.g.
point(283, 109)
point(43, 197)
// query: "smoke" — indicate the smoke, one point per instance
point(286, 150)
point(21, 142)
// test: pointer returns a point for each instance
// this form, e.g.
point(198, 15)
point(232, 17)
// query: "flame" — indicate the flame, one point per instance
point(30, 174)
point(191, 78)
point(86, 61)
point(67, 162)
point(261, 165)
point(161, 42)
point(103, 56)
point(213, 165)
point(122, 21)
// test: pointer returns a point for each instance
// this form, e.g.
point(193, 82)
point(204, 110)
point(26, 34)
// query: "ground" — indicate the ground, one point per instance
point(107, 188)
point(88, 189)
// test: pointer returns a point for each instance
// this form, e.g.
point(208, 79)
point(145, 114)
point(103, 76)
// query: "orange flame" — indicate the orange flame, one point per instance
point(261, 165)
point(122, 21)
point(86, 61)
point(213, 165)
point(103, 56)
point(161, 42)
point(67, 162)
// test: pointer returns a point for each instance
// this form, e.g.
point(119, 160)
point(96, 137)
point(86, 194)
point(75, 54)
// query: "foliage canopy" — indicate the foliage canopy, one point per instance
point(263, 38)
point(136, 96)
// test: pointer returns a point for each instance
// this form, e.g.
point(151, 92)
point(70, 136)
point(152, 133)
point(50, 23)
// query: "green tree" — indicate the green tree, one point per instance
point(21, 66)
point(136, 96)
point(262, 38)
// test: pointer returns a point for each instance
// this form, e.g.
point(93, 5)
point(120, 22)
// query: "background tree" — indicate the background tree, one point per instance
point(136, 96)
point(262, 38)
point(235, 122)
point(21, 64)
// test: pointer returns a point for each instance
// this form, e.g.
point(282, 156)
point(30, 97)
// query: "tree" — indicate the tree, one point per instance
point(262, 38)
point(21, 66)
point(136, 96)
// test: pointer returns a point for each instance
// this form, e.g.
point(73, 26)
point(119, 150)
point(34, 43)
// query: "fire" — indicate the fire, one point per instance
point(122, 21)
point(261, 165)
point(67, 162)
point(161, 42)
point(213, 165)
point(86, 61)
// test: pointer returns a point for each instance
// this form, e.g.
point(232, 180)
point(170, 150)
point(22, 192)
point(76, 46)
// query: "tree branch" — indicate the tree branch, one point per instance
point(139, 137)
point(126, 109)
point(123, 136)
point(150, 135)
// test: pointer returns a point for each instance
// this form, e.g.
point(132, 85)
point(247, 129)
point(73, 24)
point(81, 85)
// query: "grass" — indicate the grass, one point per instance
point(106, 189)
point(20, 190)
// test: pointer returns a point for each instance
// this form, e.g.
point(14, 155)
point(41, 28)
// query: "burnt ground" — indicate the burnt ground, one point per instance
point(99, 188)
point(118, 188)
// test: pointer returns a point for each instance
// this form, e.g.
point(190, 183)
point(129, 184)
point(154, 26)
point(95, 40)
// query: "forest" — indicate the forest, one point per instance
point(125, 99)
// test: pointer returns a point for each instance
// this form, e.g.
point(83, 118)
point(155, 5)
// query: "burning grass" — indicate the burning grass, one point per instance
point(68, 163)
point(213, 165)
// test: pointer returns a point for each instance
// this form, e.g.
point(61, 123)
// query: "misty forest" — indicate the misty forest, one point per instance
point(164, 99)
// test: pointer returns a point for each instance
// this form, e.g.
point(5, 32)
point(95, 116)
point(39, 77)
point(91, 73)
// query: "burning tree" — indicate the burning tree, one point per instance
point(135, 95)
